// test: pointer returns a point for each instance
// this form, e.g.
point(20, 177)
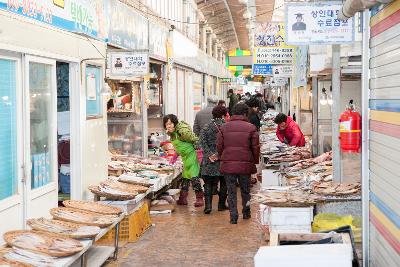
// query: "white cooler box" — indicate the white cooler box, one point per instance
point(270, 178)
point(326, 255)
point(287, 220)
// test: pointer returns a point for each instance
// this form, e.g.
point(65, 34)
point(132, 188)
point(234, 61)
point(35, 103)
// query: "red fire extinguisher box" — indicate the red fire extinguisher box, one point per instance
point(350, 131)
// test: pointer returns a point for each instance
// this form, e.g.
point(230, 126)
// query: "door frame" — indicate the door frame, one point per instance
point(32, 194)
point(18, 198)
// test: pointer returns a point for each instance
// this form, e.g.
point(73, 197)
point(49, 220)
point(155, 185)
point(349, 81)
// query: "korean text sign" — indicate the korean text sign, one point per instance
point(273, 55)
point(317, 23)
point(128, 64)
point(262, 69)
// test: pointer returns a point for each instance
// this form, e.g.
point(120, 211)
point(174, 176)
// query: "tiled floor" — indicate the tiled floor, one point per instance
point(190, 238)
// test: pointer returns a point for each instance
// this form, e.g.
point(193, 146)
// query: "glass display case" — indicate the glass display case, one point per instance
point(125, 118)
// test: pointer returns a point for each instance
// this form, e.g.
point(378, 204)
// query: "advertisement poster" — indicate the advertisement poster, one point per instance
point(270, 47)
point(262, 69)
point(81, 16)
point(127, 29)
point(280, 71)
point(317, 23)
point(273, 55)
point(128, 64)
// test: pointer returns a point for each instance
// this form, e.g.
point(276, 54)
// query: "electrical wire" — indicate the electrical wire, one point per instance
point(95, 47)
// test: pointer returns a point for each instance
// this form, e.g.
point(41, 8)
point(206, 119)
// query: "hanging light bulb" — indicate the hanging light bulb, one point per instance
point(243, 2)
point(330, 98)
point(324, 98)
point(247, 14)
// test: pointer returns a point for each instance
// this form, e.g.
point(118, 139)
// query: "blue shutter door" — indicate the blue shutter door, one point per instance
point(8, 134)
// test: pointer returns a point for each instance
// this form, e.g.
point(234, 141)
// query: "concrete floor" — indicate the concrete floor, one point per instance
point(188, 237)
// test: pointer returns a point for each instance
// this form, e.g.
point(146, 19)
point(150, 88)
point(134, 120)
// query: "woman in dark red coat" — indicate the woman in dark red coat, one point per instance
point(239, 149)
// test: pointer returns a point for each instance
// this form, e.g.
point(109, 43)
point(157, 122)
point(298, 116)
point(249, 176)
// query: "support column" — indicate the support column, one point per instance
point(203, 37)
point(315, 102)
point(215, 48)
point(337, 159)
point(209, 43)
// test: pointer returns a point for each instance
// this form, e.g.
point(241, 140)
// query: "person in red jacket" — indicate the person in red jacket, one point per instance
point(288, 131)
point(239, 149)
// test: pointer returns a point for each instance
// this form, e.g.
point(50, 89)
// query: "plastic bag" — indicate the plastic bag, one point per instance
point(329, 221)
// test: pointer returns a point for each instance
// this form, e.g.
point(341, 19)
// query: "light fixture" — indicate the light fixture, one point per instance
point(106, 90)
point(330, 98)
point(324, 98)
point(247, 14)
point(243, 2)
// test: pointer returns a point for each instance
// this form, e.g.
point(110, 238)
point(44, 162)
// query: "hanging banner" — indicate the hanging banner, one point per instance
point(128, 64)
point(158, 41)
point(170, 57)
point(300, 75)
point(279, 82)
point(280, 71)
point(262, 69)
point(273, 55)
point(80, 16)
point(317, 23)
point(128, 29)
point(270, 46)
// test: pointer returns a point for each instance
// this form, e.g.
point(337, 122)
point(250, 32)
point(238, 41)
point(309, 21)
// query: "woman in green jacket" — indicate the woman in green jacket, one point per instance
point(184, 140)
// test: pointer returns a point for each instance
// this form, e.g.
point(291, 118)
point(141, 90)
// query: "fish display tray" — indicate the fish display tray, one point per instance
point(83, 217)
point(92, 207)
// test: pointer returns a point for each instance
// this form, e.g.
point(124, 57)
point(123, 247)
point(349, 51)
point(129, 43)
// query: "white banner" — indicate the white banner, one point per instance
point(317, 23)
point(279, 82)
point(128, 64)
point(282, 71)
point(273, 55)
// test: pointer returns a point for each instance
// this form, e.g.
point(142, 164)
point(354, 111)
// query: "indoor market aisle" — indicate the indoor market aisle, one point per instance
point(190, 238)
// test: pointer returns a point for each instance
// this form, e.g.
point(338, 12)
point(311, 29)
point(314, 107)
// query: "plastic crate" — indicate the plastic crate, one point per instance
point(130, 228)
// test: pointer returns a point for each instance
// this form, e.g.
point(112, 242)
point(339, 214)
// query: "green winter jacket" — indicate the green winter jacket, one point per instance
point(184, 141)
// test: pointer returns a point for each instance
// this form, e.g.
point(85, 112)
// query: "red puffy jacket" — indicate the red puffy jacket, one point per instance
point(292, 134)
point(238, 146)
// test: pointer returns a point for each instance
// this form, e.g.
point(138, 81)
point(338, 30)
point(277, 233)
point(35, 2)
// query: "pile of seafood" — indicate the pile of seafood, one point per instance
point(324, 159)
point(114, 189)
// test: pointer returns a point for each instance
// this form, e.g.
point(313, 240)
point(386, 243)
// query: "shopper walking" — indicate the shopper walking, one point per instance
point(184, 140)
point(254, 116)
point(233, 100)
point(223, 103)
point(204, 116)
point(288, 131)
point(211, 164)
point(239, 149)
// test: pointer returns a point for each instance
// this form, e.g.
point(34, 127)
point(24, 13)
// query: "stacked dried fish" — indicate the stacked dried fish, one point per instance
point(24, 258)
point(68, 229)
point(83, 217)
point(124, 187)
point(7, 262)
point(291, 155)
point(286, 198)
point(325, 158)
point(43, 243)
point(336, 189)
point(92, 207)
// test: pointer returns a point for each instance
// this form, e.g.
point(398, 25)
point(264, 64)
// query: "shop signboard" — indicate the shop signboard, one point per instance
point(280, 71)
point(317, 23)
point(262, 69)
point(127, 28)
point(128, 64)
point(270, 46)
point(158, 41)
point(80, 16)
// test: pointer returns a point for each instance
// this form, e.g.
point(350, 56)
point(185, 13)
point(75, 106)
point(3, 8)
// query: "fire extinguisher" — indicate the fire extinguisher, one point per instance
point(350, 130)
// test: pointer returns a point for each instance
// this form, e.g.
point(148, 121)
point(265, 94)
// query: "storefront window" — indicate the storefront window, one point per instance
point(41, 101)
point(8, 144)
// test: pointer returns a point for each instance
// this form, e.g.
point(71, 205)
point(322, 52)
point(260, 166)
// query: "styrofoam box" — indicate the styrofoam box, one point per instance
point(269, 178)
point(326, 255)
point(285, 220)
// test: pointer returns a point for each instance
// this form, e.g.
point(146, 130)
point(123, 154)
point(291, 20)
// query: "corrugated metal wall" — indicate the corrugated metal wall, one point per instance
point(384, 141)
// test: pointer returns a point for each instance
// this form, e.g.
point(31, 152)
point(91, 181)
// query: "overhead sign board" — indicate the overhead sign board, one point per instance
point(273, 55)
point(80, 16)
point(279, 81)
point(279, 71)
point(262, 69)
point(317, 23)
point(128, 64)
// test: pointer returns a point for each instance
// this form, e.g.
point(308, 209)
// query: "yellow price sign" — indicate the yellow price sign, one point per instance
point(59, 3)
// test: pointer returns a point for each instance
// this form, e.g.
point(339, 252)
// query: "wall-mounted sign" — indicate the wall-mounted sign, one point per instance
point(279, 81)
point(279, 71)
point(81, 16)
point(262, 69)
point(158, 41)
point(226, 80)
point(317, 23)
point(270, 34)
point(273, 55)
point(128, 64)
point(128, 29)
